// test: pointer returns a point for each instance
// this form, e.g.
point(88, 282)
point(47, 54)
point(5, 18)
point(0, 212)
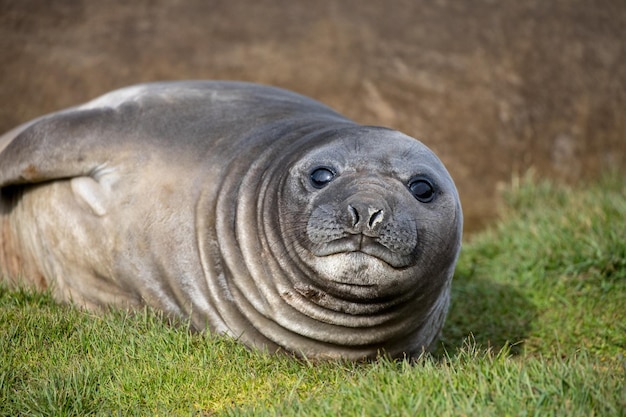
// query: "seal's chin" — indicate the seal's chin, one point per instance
point(356, 274)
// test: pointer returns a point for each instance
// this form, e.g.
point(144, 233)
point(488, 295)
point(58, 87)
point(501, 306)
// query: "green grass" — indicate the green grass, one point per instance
point(537, 328)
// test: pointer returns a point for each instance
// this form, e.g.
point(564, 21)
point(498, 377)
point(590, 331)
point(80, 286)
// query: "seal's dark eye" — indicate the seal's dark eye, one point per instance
point(422, 189)
point(321, 176)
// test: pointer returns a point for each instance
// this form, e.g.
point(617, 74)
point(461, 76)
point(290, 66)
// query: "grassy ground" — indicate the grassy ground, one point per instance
point(537, 328)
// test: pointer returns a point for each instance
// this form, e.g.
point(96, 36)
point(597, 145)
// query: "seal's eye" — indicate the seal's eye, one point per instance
point(422, 189)
point(321, 176)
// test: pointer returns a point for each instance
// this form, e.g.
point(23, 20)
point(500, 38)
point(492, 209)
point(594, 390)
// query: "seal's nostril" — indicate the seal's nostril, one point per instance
point(355, 215)
point(376, 216)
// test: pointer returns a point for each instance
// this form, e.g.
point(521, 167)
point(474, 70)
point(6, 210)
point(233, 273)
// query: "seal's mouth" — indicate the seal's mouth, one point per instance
point(361, 245)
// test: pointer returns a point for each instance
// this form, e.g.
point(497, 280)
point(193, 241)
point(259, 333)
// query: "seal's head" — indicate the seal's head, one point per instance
point(374, 214)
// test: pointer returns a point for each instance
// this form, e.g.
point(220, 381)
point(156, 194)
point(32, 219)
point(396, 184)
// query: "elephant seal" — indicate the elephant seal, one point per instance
point(248, 210)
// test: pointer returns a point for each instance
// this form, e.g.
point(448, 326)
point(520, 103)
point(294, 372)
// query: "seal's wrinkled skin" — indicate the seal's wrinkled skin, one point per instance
point(253, 211)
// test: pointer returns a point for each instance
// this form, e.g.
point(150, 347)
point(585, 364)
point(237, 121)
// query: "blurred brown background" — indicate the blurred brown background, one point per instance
point(493, 87)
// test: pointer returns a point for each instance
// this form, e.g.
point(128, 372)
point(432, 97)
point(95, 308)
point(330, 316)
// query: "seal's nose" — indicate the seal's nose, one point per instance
point(365, 217)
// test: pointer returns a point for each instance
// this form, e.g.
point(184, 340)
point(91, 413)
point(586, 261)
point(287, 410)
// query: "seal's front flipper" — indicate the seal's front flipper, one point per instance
point(74, 145)
point(64, 145)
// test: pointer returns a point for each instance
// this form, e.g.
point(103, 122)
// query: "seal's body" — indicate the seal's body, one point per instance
point(253, 211)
